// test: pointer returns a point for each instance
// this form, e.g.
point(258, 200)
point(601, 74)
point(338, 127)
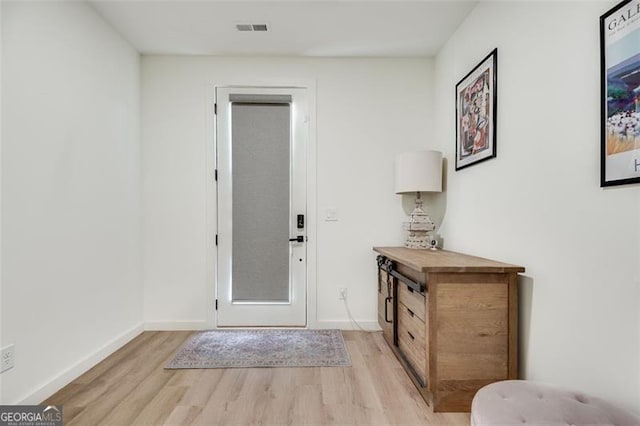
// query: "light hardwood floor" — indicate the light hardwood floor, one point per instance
point(132, 387)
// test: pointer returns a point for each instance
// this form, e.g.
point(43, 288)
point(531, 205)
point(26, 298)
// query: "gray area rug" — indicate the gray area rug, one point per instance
point(263, 348)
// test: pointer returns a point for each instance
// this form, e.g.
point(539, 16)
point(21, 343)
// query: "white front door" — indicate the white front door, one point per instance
point(261, 136)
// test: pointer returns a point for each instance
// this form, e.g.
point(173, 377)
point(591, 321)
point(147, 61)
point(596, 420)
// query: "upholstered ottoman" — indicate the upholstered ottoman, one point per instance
point(517, 402)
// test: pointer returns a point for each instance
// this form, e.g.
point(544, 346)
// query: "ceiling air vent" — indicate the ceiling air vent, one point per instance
point(252, 27)
point(244, 27)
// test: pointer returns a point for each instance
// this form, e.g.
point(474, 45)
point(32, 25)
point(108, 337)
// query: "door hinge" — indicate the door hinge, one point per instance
point(215, 109)
point(216, 239)
point(216, 174)
point(216, 304)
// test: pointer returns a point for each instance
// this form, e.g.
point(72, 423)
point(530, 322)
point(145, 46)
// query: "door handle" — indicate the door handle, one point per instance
point(298, 239)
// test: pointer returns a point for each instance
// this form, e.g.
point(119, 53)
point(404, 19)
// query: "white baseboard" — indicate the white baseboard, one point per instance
point(81, 367)
point(175, 325)
point(347, 325)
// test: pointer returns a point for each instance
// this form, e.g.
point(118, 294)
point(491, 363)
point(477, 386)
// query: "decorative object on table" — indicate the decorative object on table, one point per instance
point(476, 111)
point(416, 172)
point(620, 94)
point(433, 242)
point(263, 348)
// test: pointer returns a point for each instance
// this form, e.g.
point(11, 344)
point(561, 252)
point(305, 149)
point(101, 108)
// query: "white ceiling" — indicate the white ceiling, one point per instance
point(296, 28)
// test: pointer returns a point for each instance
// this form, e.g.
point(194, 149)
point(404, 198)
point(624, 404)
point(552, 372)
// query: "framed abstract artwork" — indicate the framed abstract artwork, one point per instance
point(620, 94)
point(476, 108)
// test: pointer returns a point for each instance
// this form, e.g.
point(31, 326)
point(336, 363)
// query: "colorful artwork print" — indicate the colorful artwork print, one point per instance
point(474, 121)
point(476, 114)
point(620, 52)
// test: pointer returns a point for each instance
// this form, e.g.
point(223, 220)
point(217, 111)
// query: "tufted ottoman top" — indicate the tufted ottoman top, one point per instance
point(517, 402)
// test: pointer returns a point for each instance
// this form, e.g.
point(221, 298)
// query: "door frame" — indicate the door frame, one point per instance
point(211, 191)
point(290, 309)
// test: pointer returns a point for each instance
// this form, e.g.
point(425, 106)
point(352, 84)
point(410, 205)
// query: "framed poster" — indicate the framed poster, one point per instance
point(620, 94)
point(476, 110)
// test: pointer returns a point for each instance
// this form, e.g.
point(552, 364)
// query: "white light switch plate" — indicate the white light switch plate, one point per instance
point(7, 358)
point(331, 215)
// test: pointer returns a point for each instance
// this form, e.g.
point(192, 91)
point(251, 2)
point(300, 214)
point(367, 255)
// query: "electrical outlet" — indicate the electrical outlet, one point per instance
point(7, 358)
point(343, 293)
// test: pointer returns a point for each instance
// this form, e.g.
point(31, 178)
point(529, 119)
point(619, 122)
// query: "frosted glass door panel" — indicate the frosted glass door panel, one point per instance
point(260, 139)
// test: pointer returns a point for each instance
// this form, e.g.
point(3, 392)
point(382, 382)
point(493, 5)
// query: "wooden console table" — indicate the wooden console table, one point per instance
point(452, 320)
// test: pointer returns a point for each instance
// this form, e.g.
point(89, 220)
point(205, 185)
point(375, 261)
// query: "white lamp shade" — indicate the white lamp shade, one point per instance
point(418, 171)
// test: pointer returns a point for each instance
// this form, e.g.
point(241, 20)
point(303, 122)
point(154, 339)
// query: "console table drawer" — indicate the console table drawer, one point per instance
point(412, 324)
point(413, 348)
point(412, 300)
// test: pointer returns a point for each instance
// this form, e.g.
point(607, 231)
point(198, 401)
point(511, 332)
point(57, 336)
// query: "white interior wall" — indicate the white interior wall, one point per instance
point(367, 111)
point(71, 209)
point(1, 340)
point(539, 203)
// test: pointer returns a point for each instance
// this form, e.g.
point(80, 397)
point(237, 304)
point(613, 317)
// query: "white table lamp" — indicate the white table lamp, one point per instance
point(416, 172)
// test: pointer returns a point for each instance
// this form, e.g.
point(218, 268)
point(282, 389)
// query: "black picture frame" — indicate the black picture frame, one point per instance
point(476, 113)
point(620, 94)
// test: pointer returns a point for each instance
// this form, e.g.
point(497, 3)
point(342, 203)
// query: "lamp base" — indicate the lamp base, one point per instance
point(418, 240)
point(419, 227)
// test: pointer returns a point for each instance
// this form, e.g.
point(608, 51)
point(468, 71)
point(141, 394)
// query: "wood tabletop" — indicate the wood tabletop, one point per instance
point(444, 261)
